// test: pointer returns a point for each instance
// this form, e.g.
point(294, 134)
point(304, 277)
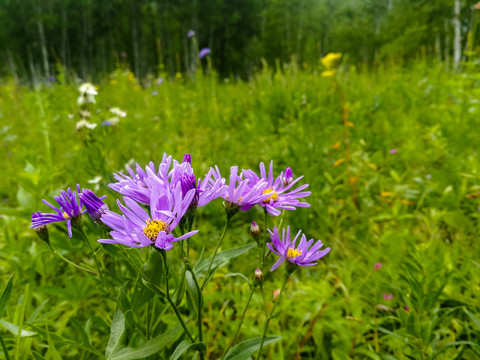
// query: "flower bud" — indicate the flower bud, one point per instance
point(187, 158)
point(255, 231)
point(287, 177)
point(258, 275)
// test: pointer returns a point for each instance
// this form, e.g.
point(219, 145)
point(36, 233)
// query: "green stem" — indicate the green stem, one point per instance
point(215, 253)
point(281, 220)
point(167, 296)
point(264, 301)
point(71, 262)
point(241, 322)
point(267, 321)
point(97, 264)
point(199, 312)
point(262, 252)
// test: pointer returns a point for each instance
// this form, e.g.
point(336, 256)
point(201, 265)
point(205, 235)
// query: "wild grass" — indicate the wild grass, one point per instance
point(414, 210)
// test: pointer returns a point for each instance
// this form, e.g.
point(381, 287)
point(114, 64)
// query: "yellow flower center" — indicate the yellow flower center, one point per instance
point(293, 253)
point(153, 228)
point(66, 216)
point(273, 197)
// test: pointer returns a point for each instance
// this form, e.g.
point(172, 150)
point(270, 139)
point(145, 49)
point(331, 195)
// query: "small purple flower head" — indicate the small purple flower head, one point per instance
point(387, 297)
point(407, 308)
point(302, 255)
point(287, 177)
point(280, 196)
point(52, 79)
point(92, 203)
point(106, 123)
point(154, 93)
point(239, 194)
point(137, 228)
point(377, 267)
point(204, 52)
point(393, 151)
point(190, 33)
point(70, 209)
point(134, 185)
point(160, 80)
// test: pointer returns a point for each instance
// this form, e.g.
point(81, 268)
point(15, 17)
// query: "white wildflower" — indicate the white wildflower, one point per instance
point(117, 111)
point(87, 94)
point(85, 123)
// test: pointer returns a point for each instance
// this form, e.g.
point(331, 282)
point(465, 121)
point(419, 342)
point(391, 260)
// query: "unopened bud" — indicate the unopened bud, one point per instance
point(276, 293)
point(258, 275)
point(187, 158)
point(255, 231)
point(287, 177)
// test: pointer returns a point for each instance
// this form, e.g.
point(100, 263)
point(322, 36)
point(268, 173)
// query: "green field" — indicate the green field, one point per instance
point(391, 157)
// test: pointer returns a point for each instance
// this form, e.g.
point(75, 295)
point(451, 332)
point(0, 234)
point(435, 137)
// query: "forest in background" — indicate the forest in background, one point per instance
point(39, 39)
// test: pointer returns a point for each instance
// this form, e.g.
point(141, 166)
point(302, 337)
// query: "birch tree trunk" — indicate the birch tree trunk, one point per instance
point(457, 44)
point(43, 43)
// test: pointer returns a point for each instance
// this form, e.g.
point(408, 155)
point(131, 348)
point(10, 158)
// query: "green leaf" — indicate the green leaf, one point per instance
point(240, 275)
point(473, 318)
point(15, 330)
point(117, 334)
point(37, 355)
point(141, 294)
point(83, 333)
point(221, 259)
point(248, 347)
point(184, 346)
point(126, 306)
point(7, 292)
point(192, 290)
point(148, 348)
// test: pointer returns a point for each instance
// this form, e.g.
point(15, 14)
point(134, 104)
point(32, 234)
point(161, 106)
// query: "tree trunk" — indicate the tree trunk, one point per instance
point(43, 42)
point(457, 44)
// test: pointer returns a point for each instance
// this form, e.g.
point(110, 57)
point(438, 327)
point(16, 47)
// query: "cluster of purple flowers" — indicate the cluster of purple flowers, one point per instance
point(157, 200)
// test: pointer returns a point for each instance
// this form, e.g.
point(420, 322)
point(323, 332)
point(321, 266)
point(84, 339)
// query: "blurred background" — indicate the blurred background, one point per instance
point(90, 38)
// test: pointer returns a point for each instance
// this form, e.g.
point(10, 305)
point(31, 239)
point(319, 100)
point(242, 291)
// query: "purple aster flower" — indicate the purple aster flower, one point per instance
point(206, 189)
point(204, 52)
point(303, 255)
point(393, 151)
point(137, 228)
point(387, 297)
point(281, 196)
point(154, 93)
point(190, 33)
point(106, 123)
point(240, 193)
point(377, 267)
point(70, 209)
point(134, 186)
point(160, 80)
point(40, 230)
point(92, 203)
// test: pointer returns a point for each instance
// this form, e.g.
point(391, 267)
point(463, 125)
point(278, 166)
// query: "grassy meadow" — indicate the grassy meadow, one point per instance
point(391, 157)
